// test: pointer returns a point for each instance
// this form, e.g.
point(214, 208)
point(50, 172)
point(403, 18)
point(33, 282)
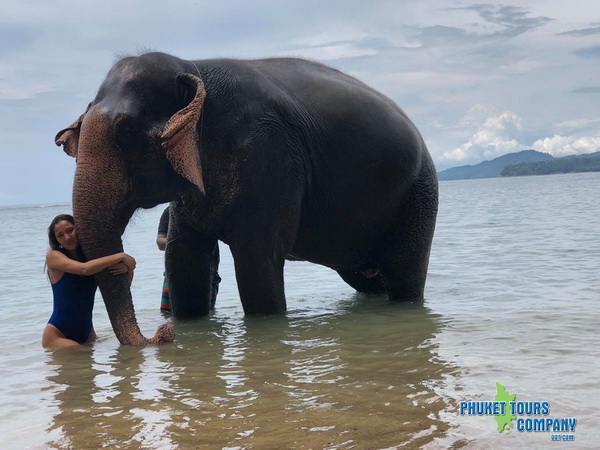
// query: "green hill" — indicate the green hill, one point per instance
point(567, 164)
point(493, 168)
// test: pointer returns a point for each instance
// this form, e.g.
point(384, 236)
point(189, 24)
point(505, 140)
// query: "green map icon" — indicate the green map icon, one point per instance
point(505, 420)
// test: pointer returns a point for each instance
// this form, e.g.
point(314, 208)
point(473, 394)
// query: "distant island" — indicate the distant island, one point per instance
point(568, 164)
point(526, 162)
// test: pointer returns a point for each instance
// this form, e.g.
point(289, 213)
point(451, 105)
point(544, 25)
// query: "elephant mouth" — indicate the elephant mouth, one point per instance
point(148, 191)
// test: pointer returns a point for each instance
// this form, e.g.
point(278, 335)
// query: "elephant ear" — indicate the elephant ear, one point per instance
point(69, 137)
point(180, 136)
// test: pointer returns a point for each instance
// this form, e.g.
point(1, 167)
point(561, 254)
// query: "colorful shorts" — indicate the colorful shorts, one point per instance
point(165, 303)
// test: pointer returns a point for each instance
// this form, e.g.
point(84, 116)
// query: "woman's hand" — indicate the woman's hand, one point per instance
point(119, 268)
point(125, 266)
point(129, 261)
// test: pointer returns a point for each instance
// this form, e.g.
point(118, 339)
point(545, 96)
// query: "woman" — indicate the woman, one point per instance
point(73, 285)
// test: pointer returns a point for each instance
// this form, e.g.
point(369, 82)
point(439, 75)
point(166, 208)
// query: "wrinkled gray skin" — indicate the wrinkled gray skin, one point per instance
point(278, 158)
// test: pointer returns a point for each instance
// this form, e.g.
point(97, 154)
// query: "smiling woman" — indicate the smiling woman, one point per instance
point(73, 286)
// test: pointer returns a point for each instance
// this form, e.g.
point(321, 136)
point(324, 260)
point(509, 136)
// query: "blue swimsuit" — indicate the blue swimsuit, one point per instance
point(73, 305)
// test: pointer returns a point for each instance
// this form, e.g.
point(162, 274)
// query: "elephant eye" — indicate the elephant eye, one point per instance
point(127, 136)
point(126, 132)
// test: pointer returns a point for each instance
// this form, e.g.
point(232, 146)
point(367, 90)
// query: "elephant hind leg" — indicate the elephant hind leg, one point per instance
point(360, 282)
point(407, 248)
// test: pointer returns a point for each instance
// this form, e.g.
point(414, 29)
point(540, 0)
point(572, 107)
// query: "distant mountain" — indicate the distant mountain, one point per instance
point(589, 162)
point(493, 168)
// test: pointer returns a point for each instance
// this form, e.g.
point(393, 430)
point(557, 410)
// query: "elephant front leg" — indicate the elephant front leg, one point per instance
point(259, 275)
point(191, 265)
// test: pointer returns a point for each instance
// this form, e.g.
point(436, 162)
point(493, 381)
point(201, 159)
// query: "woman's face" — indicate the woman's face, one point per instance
point(66, 235)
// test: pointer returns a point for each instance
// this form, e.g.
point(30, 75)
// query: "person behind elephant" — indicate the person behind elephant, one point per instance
point(161, 243)
point(73, 285)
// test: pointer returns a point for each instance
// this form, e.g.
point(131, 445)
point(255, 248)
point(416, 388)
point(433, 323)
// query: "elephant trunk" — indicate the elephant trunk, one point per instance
point(101, 214)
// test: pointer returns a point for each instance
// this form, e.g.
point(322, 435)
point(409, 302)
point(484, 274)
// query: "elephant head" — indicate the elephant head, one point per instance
point(136, 146)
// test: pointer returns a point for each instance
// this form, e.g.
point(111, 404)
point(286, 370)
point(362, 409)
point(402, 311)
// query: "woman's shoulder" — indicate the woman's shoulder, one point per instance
point(52, 257)
point(51, 253)
point(56, 260)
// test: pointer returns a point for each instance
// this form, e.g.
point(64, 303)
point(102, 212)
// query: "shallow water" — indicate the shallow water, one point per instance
point(511, 297)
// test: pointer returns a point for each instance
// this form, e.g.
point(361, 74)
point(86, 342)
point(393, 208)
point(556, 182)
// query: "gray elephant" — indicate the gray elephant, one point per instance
point(278, 158)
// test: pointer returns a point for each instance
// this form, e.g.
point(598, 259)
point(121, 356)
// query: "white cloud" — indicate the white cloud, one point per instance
point(20, 83)
point(521, 66)
point(498, 135)
point(475, 115)
point(339, 33)
point(333, 52)
point(21, 90)
point(558, 145)
point(577, 124)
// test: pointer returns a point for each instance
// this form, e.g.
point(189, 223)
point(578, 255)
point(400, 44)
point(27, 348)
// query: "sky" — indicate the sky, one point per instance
point(478, 79)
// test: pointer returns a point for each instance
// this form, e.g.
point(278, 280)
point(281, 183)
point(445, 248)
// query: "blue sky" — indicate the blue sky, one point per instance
point(478, 79)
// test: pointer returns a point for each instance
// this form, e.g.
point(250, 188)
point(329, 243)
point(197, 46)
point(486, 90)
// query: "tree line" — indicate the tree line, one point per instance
point(580, 163)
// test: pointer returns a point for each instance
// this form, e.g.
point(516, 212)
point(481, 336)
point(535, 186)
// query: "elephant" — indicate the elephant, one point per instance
point(279, 158)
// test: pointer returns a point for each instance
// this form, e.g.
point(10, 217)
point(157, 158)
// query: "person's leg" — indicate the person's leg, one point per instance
point(91, 338)
point(53, 338)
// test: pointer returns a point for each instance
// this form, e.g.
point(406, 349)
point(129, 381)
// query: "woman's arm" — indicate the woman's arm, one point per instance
point(60, 262)
point(161, 241)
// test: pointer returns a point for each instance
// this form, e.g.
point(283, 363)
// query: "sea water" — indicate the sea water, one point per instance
point(512, 298)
